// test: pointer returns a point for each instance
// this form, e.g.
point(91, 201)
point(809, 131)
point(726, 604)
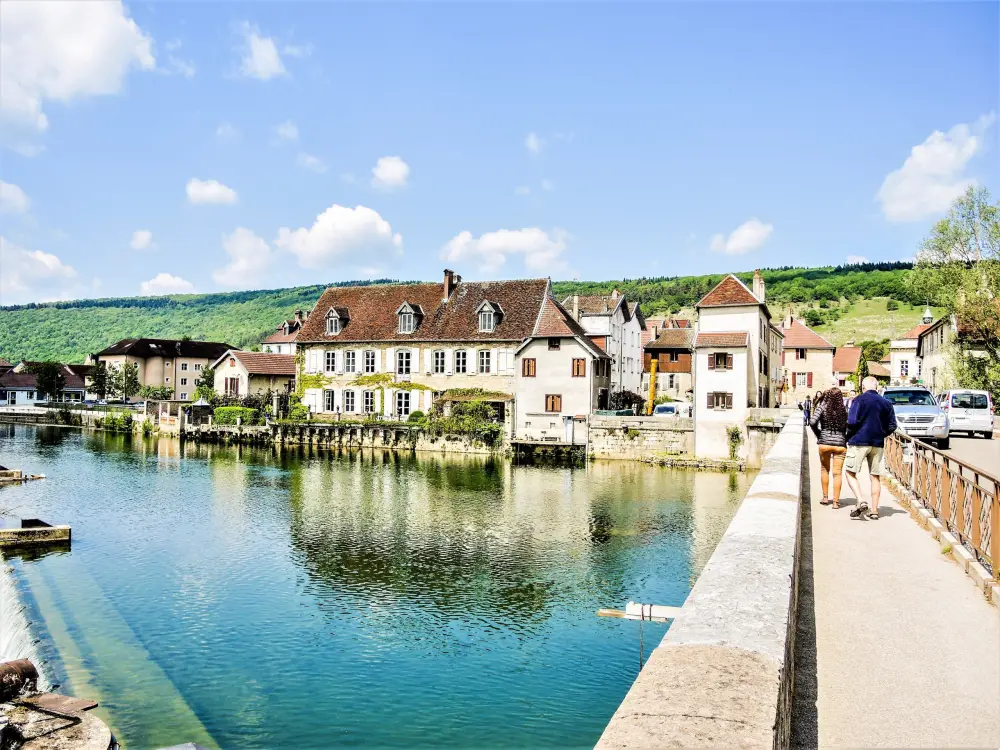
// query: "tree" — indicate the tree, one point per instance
point(130, 380)
point(204, 387)
point(958, 268)
point(156, 392)
point(49, 379)
point(99, 380)
point(814, 317)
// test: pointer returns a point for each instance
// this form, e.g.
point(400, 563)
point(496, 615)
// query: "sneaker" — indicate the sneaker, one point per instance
point(860, 510)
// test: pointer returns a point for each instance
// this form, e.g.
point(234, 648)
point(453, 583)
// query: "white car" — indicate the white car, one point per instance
point(969, 411)
point(672, 409)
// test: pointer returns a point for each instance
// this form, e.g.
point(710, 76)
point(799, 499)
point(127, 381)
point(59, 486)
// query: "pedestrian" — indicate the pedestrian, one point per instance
point(806, 409)
point(851, 395)
point(829, 422)
point(869, 422)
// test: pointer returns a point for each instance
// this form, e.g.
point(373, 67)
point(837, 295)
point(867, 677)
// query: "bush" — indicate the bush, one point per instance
point(474, 419)
point(229, 415)
point(814, 317)
point(156, 392)
point(626, 400)
point(417, 416)
point(663, 399)
point(891, 305)
point(121, 422)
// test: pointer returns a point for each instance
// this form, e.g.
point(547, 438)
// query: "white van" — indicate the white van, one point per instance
point(969, 411)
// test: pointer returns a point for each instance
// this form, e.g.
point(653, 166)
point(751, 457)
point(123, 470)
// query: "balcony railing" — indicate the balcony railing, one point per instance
point(963, 498)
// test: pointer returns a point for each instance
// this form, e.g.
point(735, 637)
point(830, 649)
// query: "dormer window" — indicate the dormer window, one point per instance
point(407, 315)
point(335, 320)
point(489, 315)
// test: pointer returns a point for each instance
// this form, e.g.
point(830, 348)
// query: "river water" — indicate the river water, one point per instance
point(246, 598)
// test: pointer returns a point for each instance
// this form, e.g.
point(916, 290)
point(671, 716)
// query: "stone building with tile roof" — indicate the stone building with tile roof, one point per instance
point(673, 352)
point(616, 325)
point(904, 364)
point(170, 363)
point(239, 373)
point(19, 386)
point(806, 359)
point(282, 341)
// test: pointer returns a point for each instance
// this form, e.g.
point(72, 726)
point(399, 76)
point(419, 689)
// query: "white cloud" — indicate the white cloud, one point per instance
point(181, 67)
point(548, 185)
point(61, 50)
point(534, 143)
point(30, 275)
point(226, 131)
point(933, 174)
point(287, 131)
point(142, 239)
point(312, 163)
point(522, 190)
point(540, 250)
point(209, 191)
point(342, 234)
point(390, 172)
point(297, 50)
point(249, 259)
point(259, 55)
point(746, 237)
point(165, 283)
point(853, 260)
point(12, 199)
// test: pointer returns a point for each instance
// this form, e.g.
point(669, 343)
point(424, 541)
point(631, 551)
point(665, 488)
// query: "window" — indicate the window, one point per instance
point(232, 386)
point(183, 396)
point(675, 356)
point(484, 361)
point(350, 362)
point(184, 381)
point(402, 403)
point(232, 362)
point(461, 362)
point(438, 362)
point(904, 367)
point(369, 362)
point(553, 403)
point(720, 400)
point(348, 400)
point(802, 379)
point(800, 354)
point(579, 368)
point(329, 400)
point(720, 361)
point(166, 380)
point(332, 325)
point(527, 368)
point(331, 361)
point(368, 399)
point(184, 365)
point(168, 363)
point(406, 322)
point(197, 368)
point(554, 345)
point(403, 362)
point(486, 320)
point(671, 381)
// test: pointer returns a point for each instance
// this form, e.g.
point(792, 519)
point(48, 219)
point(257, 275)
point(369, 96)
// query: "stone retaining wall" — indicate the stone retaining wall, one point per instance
point(639, 438)
point(723, 674)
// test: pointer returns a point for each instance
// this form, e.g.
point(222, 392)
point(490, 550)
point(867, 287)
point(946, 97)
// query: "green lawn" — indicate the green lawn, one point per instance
point(868, 319)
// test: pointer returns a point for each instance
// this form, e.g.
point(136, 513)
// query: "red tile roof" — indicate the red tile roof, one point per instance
point(11, 379)
point(722, 338)
point(914, 333)
point(846, 359)
point(284, 333)
point(800, 336)
point(259, 363)
point(373, 309)
point(877, 369)
point(728, 292)
point(673, 338)
point(556, 321)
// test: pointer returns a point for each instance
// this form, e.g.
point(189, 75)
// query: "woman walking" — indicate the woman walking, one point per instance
point(829, 422)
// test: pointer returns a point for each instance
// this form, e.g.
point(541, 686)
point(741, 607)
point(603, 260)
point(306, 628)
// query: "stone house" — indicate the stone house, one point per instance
point(391, 349)
point(282, 341)
point(904, 364)
point(737, 361)
point(562, 376)
point(673, 350)
point(19, 387)
point(807, 361)
point(239, 373)
point(616, 326)
point(164, 362)
point(845, 364)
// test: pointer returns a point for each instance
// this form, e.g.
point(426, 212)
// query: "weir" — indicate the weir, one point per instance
point(17, 638)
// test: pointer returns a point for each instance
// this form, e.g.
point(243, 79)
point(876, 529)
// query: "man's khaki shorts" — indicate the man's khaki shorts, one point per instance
point(859, 455)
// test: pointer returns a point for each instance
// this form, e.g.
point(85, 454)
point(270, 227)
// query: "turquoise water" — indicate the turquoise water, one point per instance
point(250, 598)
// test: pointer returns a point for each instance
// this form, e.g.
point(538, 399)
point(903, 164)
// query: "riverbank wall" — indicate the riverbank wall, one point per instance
point(723, 674)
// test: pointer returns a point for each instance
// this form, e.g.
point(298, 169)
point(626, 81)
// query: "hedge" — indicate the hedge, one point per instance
point(229, 415)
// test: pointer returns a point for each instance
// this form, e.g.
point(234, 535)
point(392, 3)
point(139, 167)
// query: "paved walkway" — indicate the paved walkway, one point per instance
point(895, 646)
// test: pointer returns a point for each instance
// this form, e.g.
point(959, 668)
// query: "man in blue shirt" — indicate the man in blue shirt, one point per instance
point(870, 421)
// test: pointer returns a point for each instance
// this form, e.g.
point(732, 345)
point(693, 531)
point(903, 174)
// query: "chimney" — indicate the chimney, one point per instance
point(576, 307)
point(788, 317)
point(298, 316)
point(449, 283)
point(758, 286)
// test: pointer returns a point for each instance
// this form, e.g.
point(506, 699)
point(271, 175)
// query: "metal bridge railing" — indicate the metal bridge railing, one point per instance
point(963, 498)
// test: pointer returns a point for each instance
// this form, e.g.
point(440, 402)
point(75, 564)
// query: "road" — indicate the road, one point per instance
point(983, 454)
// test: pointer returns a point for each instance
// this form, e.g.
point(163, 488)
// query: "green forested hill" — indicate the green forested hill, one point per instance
point(69, 331)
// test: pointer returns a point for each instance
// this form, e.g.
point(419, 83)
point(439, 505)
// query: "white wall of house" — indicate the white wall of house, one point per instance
point(623, 344)
point(903, 362)
point(282, 348)
point(711, 422)
point(807, 375)
point(752, 320)
point(535, 417)
point(30, 396)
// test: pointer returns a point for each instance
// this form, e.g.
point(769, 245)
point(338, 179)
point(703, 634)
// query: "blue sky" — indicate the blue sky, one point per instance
point(219, 146)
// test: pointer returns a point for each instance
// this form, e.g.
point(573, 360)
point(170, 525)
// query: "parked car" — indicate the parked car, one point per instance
point(970, 411)
point(919, 415)
point(672, 409)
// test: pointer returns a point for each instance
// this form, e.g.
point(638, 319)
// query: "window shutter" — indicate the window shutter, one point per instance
point(710, 400)
point(429, 361)
point(711, 361)
point(494, 361)
point(447, 361)
point(510, 361)
point(809, 380)
point(340, 362)
point(729, 361)
point(390, 360)
point(502, 362)
point(729, 400)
